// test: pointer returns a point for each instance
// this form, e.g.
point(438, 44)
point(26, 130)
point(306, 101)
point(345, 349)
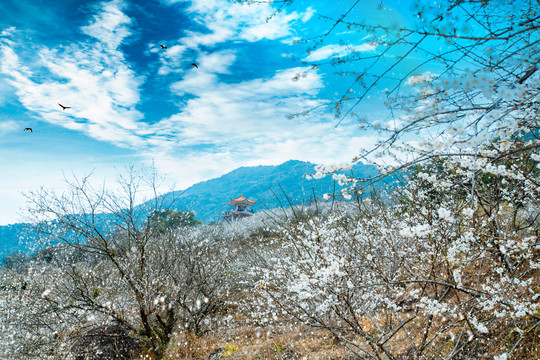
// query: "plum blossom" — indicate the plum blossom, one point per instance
point(416, 231)
point(445, 214)
point(468, 212)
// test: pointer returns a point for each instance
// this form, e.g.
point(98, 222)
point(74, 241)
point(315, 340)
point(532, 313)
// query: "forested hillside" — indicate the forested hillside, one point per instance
point(444, 266)
point(271, 186)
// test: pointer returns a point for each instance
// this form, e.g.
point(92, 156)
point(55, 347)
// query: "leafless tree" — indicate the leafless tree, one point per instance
point(113, 263)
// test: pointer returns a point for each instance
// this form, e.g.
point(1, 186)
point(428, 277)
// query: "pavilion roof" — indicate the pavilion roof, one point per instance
point(241, 200)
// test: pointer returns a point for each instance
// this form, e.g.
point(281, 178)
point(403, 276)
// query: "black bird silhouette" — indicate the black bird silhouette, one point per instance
point(194, 64)
point(163, 46)
point(64, 107)
point(28, 129)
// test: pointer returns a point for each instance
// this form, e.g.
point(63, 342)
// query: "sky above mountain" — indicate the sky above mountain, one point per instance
point(125, 69)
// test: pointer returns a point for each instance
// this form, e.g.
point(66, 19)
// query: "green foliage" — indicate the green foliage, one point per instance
point(15, 261)
point(172, 219)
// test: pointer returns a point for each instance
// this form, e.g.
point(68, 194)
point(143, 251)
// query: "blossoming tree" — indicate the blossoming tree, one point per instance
point(453, 263)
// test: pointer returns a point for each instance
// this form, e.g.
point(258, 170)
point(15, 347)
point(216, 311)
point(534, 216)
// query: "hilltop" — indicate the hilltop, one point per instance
point(271, 186)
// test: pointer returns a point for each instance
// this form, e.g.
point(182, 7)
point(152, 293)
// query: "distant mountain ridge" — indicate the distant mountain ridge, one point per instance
point(10, 236)
point(271, 186)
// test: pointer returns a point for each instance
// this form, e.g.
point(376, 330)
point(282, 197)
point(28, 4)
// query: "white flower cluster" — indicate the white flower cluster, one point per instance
point(323, 170)
point(445, 214)
point(467, 212)
point(416, 231)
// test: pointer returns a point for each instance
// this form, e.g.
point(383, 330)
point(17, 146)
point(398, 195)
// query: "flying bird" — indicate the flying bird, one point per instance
point(64, 107)
point(194, 64)
point(163, 46)
point(28, 129)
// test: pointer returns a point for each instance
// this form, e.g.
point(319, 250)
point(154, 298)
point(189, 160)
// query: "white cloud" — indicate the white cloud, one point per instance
point(421, 78)
point(170, 58)
point(9, 126)
point(255, 108)
point(8, 31)
point(228, 21)
point(110, 25)
point(308, 14)
point(336, 50)
point(92, 78)
point(221, 127)
point(277, 27)
point(320, 144)
point(103, 91)
point(227, 125)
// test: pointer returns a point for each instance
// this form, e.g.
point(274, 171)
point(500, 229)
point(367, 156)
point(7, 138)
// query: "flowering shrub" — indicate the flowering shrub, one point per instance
point(460, 239)
point(416, 273)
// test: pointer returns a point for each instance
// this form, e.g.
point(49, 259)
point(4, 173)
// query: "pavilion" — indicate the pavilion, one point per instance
point(240, 209)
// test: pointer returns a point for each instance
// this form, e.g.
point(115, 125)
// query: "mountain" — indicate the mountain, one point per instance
point(270, 186)
point(10, 236)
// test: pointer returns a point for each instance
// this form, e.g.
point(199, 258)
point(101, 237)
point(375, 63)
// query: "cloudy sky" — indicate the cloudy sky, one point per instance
point(134, 102)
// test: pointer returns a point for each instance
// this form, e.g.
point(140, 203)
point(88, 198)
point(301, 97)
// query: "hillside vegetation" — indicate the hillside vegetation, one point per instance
point(270, 186)
point(444, 266)
point(428, 276)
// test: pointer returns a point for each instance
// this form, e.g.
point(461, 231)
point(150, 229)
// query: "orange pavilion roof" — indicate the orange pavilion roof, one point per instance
point(241, 200)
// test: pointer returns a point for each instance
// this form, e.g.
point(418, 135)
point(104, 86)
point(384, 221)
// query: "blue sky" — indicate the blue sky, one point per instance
point(133, 103)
